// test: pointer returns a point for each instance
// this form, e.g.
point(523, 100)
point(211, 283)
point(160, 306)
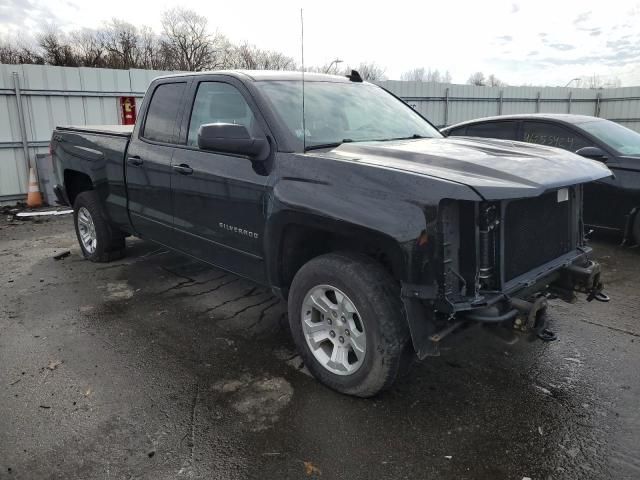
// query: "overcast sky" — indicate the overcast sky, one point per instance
point(540, 42)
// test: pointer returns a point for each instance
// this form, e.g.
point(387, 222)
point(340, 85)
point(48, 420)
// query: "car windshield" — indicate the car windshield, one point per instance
point(621, 139)
point(343, 112)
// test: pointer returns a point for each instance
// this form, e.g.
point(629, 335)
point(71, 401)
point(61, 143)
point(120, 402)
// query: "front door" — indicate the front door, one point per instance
point(600, 197)
point(218, 198)
point(148, 164)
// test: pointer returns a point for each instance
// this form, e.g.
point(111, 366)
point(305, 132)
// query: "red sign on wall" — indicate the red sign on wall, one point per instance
point(127, 110)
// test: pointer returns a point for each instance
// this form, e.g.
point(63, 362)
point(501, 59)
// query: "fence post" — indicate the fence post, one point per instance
point(21, 122)
point(569, 100)
point(597, 112)
point(538, 103)
point(500, 102)
point(446, 107)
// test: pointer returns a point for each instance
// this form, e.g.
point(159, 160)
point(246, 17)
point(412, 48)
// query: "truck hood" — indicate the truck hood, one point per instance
point(495, 169)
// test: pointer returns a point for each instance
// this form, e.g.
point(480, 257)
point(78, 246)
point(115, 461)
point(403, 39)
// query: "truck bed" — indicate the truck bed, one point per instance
point(98, 153)
point(115, 130)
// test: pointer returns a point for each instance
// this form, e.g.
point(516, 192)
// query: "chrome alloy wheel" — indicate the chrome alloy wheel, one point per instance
point(333, 329)
point(87, 230)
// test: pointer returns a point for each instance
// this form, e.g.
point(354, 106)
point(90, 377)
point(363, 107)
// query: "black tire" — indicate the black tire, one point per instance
point(376, 297)
point(110, 243)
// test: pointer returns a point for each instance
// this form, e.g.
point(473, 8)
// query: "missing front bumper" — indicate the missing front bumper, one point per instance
point(583, 278)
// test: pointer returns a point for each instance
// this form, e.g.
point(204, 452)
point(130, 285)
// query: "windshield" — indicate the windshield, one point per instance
point(343, 112)
point(621, 139)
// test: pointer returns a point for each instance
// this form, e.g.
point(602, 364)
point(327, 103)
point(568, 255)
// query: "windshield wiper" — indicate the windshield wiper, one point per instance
point(414, 136)
point(327, 145)
point(349, 140)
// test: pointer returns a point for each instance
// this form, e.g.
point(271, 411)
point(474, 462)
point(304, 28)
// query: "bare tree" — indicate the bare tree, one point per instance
point(56, 49)
point(368, 71)
point(121, 42)
point(188, 38)
point(423, 75)
point(595, 82)
point(154, 53)
point(88, 48)
point(185, 43)
point(250, 57)
point(477, 79)
point(493, 81)
point(15, 52)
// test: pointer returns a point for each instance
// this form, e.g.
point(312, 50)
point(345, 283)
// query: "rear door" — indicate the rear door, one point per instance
point(148, 162)
point(600, 197)
point(218, 198)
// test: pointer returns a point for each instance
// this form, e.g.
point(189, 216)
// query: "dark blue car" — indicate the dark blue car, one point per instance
point(610, 203)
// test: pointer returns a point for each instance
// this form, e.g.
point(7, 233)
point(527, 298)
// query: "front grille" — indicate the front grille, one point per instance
point(537, 230)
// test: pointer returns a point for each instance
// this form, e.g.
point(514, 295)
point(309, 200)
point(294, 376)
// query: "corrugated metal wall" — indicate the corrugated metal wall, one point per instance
point(87, 96)
point(54, 96)
point(445, 104)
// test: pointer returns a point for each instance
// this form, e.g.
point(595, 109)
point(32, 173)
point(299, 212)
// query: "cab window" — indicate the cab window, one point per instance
point(218, 102)
point(552, 135)
point(160, 123)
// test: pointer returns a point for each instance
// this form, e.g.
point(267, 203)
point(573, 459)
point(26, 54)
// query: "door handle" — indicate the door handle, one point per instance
point(135, 161)
point(183, 168)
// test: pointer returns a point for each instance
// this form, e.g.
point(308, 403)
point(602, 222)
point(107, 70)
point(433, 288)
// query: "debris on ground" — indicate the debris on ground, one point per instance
point(311, 469)
point(546, 391)
point(61, 255)
point(43, 213)
point(54, 364)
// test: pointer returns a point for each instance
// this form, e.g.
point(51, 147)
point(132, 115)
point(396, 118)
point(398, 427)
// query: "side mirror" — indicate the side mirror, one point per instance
point(594, 153)
point(231, 138)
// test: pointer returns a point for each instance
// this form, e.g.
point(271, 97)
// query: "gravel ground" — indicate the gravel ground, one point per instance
point(157, 367)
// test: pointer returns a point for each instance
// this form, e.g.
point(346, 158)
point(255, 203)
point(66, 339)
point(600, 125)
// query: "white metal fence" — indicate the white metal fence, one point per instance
point(35, 98)
point(446, 104)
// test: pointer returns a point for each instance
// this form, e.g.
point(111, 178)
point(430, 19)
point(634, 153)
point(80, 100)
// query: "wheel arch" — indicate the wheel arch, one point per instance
point(76, 182)
point(300, 238)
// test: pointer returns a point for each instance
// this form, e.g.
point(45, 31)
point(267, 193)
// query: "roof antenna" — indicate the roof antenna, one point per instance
point(354, 76)
point(304, 126)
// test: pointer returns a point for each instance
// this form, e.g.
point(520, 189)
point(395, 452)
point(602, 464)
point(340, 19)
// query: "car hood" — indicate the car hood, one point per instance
point(495, 169)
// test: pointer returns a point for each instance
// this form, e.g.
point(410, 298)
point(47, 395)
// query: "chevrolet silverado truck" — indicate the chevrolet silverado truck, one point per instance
point(382, 236)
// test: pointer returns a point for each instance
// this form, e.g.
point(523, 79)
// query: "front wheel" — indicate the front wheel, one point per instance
point(99, 241)
point(347, 321)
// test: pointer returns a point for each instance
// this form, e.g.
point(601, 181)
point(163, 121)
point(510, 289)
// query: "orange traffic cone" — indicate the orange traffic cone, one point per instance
point(34, 198)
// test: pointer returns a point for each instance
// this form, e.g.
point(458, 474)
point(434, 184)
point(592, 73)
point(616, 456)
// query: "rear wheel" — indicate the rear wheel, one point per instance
point(346, 319)
point(99, 241)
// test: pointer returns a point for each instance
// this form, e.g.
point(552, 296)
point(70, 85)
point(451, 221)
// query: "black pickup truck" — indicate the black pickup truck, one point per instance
point(383, 236)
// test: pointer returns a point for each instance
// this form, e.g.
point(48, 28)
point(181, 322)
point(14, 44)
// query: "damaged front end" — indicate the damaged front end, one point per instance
point(500, 261)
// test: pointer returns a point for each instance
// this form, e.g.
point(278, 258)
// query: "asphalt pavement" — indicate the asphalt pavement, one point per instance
point(158, 367)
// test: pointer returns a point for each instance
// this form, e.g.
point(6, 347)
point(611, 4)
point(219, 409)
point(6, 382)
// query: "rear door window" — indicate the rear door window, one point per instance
point(501, 130)
point(160, 124)
point(553, 135)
